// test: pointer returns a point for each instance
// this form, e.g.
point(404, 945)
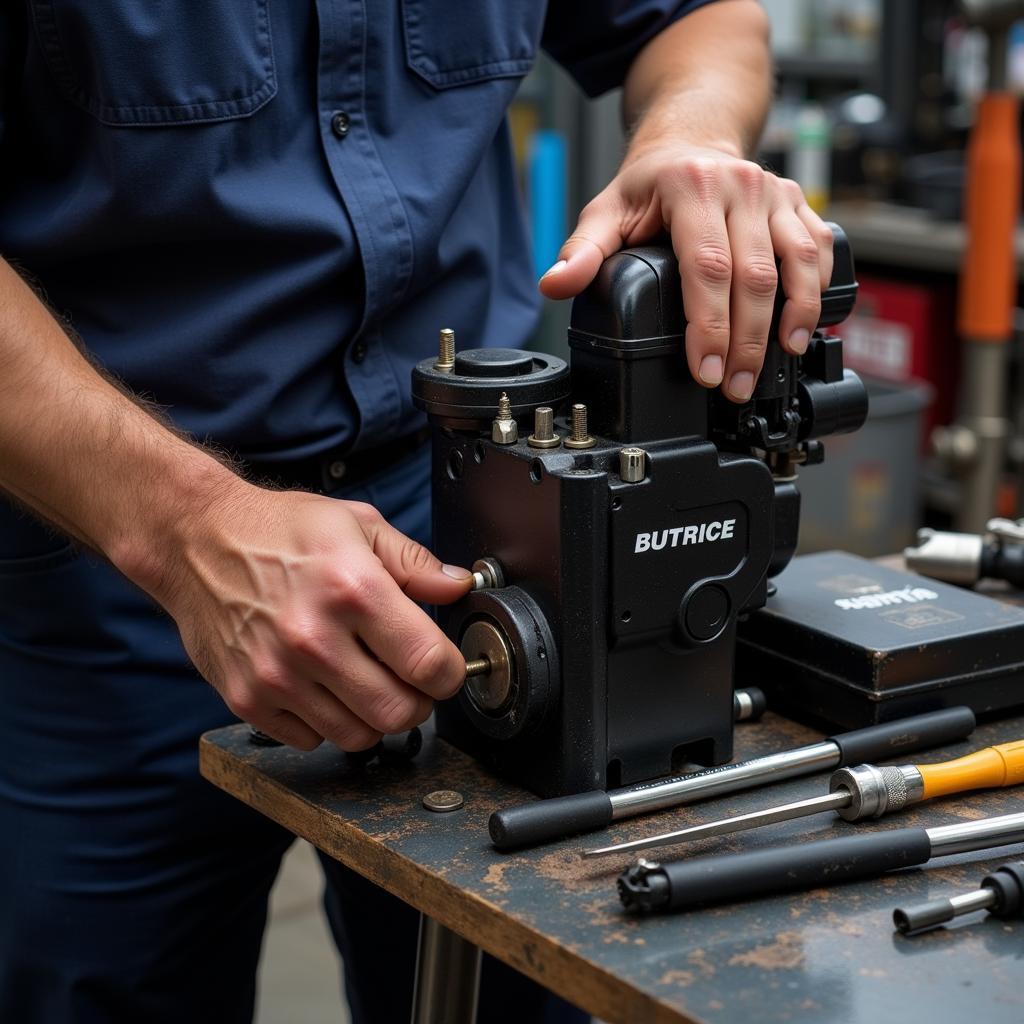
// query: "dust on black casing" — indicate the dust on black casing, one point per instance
point(616, 618)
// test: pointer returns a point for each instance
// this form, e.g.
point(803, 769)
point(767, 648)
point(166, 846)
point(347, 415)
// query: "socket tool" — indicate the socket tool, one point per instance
point(1001, 894)
point(634, 516)
point(545, 820)
point(966, 558)
point(725, 878)
point(863, 792)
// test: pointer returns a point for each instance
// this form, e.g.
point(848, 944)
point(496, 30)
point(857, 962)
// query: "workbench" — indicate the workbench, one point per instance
point(829, 955)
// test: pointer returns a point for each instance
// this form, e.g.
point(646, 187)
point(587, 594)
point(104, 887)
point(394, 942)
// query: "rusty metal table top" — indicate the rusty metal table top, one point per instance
point(826, 956)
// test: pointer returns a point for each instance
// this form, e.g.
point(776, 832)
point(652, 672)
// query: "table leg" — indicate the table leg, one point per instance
point(447, 976)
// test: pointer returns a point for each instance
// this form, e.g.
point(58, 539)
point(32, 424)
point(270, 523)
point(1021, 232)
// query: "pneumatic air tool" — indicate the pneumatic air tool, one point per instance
point(619, 519)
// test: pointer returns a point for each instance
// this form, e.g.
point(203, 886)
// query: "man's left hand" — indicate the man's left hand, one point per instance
point(729, 220)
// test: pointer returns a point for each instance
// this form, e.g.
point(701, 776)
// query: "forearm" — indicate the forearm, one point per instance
point(81, 453)
point(706, 80)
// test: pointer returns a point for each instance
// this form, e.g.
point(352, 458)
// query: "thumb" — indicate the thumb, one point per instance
point(416, 570)
point(598, 234)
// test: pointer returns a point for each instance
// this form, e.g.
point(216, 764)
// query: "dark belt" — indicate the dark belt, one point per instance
point(335, 468)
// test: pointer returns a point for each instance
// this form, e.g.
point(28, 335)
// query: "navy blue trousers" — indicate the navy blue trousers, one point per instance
point(131, 890)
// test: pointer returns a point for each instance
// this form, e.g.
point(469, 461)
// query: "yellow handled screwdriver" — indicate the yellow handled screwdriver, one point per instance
point(864, 791)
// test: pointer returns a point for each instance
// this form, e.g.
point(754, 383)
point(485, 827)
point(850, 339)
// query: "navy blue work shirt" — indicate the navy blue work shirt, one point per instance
point(260, 212)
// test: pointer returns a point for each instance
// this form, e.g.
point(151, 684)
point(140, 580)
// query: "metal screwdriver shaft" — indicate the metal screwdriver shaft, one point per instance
point(738, 823)
point(862, 792)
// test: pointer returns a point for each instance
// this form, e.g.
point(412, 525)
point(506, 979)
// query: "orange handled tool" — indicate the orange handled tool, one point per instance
point(864, 792)
point(990, 768)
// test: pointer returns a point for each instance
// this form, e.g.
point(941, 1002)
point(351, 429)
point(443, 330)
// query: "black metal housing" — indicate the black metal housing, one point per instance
point(622, 599)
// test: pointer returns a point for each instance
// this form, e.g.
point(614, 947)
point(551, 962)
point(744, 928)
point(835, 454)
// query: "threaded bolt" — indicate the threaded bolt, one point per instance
point(543, 435)
point(579, 438)
point(504, 429)
point(446, 351)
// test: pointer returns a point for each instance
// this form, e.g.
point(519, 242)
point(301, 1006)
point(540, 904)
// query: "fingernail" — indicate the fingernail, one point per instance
point(741, 385)
point(710, 371)
point(799, 340)
point(556, 269)
point(456, 572)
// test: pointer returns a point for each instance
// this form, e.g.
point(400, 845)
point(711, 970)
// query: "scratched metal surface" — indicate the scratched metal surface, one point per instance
point(825, 956)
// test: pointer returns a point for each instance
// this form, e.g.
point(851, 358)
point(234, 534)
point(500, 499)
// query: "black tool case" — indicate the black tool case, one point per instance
point(848, 642)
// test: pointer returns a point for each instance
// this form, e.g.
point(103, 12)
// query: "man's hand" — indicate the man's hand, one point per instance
point(300, 611)
point(698, 93)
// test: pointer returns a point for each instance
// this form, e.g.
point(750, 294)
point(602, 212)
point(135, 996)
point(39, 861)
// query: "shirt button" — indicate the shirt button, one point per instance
point(358, 351)
point(340, 124)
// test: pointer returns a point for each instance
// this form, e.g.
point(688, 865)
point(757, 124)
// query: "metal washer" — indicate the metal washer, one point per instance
point(441, 800)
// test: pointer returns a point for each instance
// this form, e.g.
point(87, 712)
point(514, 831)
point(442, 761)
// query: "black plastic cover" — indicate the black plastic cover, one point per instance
point(726, 878)
point(545, 820)
point(904, 736)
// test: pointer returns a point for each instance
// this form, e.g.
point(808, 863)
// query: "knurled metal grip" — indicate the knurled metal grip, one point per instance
point(876, 791)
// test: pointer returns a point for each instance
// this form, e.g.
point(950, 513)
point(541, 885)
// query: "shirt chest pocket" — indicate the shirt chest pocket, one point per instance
point(449, 44)
point(166, 62)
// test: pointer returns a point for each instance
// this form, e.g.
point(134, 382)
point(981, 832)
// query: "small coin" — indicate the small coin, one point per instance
point(443, 800)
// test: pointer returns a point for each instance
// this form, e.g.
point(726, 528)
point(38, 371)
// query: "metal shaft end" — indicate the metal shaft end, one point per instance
point(877, 791)
point(922, 917)
point(579, 438)
point(487, 574)
point(504, 429)
point(632, 465)
point(543, 435)
point(643, 887)
point(446, 351)
point(478, 667)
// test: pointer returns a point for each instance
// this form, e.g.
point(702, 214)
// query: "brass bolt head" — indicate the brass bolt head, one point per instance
point(544, 435)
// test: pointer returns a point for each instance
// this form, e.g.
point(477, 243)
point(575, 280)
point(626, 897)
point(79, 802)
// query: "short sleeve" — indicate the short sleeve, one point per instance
point(597, 40)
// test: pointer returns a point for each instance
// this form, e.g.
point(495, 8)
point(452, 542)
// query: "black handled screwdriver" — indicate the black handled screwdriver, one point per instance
point(557, 817)
point(725, 878)
point(1001, 894)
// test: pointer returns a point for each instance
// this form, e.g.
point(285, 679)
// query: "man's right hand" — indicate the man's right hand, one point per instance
point(301, 611)
point(298, 609)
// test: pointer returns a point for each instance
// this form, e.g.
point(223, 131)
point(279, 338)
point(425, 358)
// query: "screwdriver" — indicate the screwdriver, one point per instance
point(557, 817)
point(1001, 894)
point(724, 878)
point(863, 792)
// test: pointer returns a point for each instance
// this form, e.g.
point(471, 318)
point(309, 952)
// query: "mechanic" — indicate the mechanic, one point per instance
point(231, 228)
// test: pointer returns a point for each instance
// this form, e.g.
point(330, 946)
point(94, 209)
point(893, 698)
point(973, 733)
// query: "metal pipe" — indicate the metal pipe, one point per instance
point(654, 796)
point(976, 835)
point(447, 976)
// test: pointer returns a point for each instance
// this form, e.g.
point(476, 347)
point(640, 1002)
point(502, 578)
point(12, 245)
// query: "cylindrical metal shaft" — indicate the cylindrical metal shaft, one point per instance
point(728, 779)
point(478, 667)
point(737, 823)
point(447, 976)
point(976, 835)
